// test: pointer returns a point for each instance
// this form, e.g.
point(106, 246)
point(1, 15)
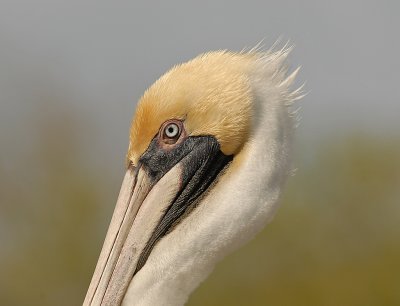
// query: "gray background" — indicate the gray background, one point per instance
point(70, 75)
point(101, 55)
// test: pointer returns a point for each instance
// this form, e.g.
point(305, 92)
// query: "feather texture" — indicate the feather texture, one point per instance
point(244, 100)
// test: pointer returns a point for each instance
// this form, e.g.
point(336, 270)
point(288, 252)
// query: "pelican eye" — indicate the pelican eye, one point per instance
point(171, 131)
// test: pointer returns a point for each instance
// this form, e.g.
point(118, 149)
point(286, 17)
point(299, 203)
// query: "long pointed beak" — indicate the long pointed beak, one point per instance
point(129, 231)
point(152, 199)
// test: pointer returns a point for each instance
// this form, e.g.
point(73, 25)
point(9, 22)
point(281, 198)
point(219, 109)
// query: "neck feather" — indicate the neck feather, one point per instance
point(240, 204)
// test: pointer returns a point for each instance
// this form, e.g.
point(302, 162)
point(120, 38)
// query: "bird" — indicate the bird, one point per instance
point(209, 153)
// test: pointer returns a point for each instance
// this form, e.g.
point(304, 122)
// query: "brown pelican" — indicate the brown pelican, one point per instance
point(208, 155)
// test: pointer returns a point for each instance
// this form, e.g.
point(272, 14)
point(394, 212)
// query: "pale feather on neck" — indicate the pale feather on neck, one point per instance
point(240, 204)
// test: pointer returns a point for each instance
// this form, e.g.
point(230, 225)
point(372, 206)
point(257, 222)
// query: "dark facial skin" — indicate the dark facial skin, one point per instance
point(202, 161)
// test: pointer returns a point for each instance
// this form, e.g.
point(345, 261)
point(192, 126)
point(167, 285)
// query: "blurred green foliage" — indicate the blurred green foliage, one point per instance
point(335, 240)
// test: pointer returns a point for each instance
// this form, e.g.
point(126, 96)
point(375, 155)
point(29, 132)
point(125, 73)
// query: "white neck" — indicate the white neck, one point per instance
point(238, 207)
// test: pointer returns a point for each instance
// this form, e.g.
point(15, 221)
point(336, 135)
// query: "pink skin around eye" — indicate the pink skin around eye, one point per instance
point(168, 143)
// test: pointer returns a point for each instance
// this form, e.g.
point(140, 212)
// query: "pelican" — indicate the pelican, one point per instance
point(208, 156)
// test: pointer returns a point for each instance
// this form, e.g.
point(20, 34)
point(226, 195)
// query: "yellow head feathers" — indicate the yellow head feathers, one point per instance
point(210, 93)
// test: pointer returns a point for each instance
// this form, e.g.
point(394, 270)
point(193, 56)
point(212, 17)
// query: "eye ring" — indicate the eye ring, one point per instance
point(171, 131)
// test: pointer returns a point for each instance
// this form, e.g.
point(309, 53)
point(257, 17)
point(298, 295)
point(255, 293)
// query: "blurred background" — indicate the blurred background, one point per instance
point(70, 75)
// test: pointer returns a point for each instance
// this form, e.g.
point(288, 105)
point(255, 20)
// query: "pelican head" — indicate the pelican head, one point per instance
point(208, 155)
